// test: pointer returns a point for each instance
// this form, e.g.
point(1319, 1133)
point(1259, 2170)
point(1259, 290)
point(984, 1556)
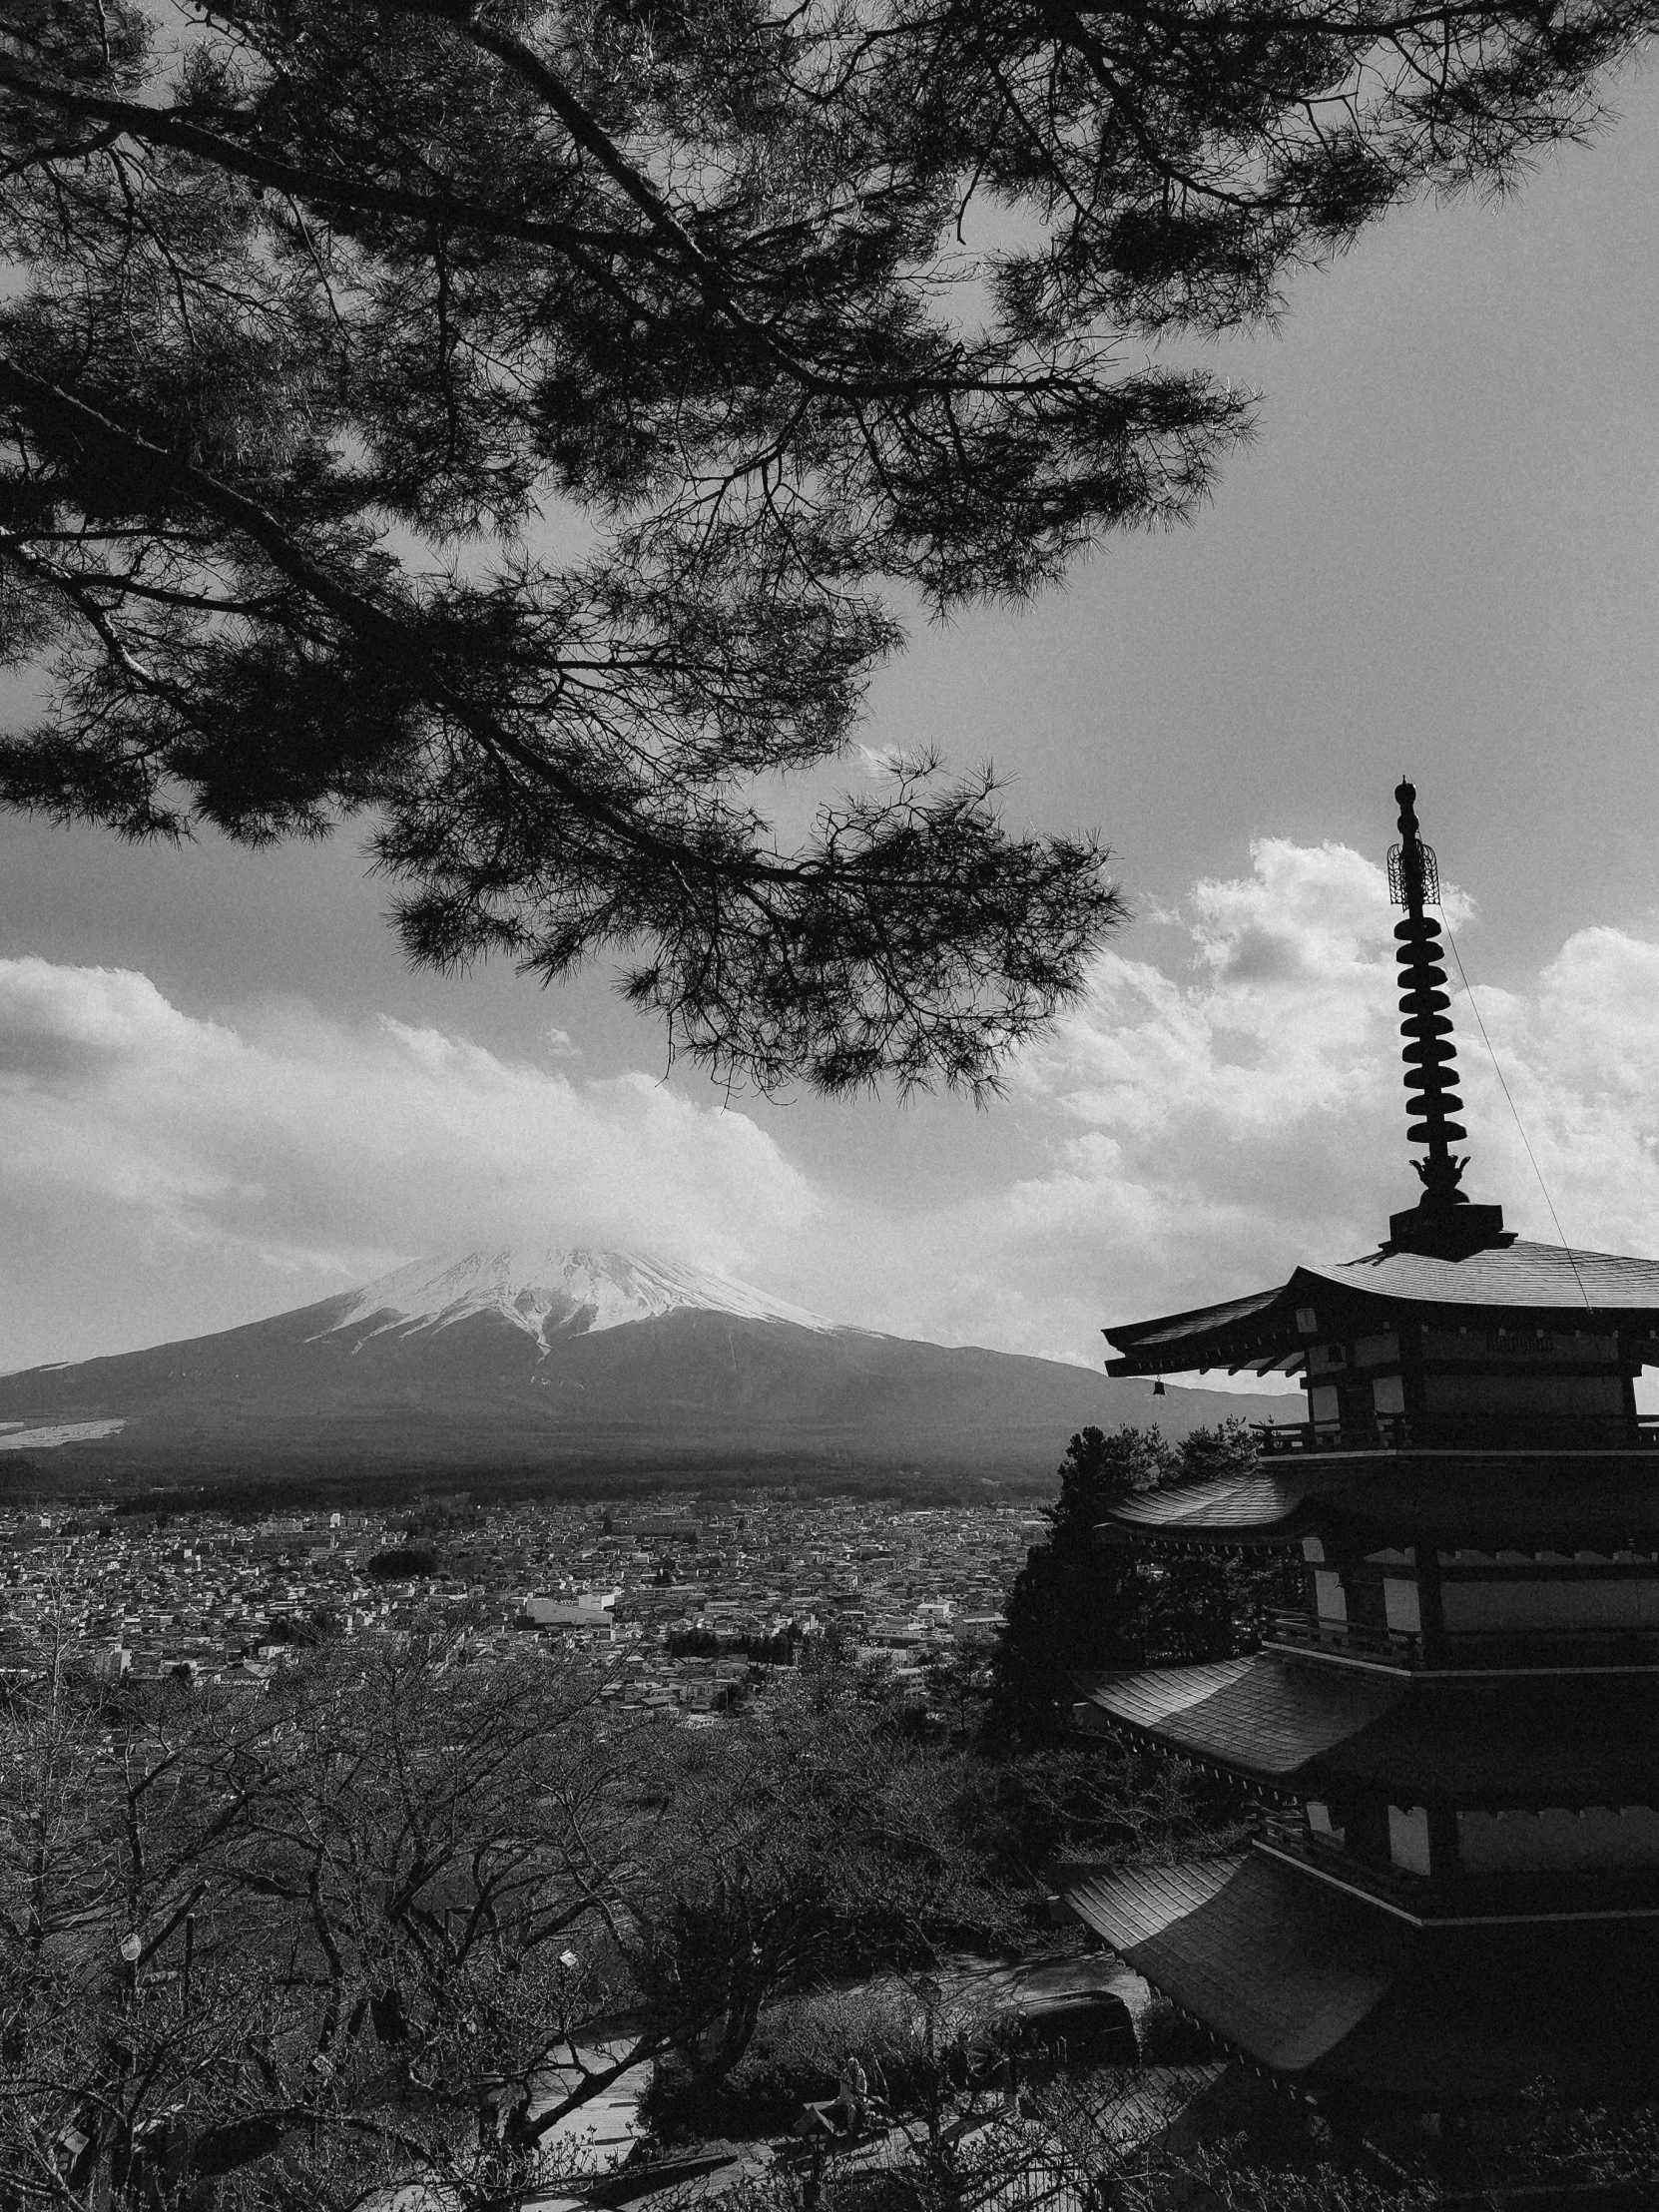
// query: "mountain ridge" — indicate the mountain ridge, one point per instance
point(538, 1363)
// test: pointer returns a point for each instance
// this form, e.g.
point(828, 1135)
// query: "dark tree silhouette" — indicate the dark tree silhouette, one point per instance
point(402, 1564)
point(503, 416)
point(1079, 1604)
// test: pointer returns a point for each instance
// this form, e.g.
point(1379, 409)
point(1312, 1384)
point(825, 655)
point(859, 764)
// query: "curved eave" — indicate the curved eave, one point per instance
point(1543, 1286)
point(1259, 1508)
point(1204, 1536)
point(1316, 1985)
point(1262, 1719)
point(1258, 1332)
point(1454, 1500)
point(1222, 1938)
point(1300, 1726)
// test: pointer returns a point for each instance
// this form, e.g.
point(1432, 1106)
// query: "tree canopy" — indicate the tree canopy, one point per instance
point(1078, 1605)
point(523, 420)
point(390, 1922)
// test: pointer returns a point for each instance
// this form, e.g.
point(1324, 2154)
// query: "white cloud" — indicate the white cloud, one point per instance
point(1188, 1133)
point(1192, 1134)
point(161, 1173)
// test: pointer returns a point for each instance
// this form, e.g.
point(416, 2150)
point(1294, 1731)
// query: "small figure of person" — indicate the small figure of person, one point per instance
point(854, 2091)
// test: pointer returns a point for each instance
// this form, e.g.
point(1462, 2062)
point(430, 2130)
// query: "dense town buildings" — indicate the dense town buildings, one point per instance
point(687, 1608)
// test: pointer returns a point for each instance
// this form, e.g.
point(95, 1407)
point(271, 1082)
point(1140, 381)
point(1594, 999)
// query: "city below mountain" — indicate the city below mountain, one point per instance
point(553, 1366)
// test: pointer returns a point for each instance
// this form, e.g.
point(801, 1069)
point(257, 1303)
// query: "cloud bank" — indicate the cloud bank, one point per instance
point(1188, 1132)
point(163, 1174)
point(1196, 1128)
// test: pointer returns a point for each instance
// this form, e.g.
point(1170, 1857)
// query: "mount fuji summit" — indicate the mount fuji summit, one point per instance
point(536, 1364)
point(554, 1293)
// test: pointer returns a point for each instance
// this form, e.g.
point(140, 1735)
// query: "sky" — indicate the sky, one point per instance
point(224, 1094)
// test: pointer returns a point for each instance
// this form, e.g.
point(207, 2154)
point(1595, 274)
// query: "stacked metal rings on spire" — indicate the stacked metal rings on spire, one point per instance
point(1431, 1058)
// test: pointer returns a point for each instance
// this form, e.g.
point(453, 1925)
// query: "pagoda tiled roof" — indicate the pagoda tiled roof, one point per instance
point(1266, 1505)
point(1571, 1288)
point(1150, 1696)
point(1307, 1724)
point(1604, 1502)
point(1316, 1983)
point(1550, 1275)
point(1266, 1717)
point(1276, 1966)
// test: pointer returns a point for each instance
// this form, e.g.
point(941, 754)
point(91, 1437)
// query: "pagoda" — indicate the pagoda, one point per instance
point(1455, 1892)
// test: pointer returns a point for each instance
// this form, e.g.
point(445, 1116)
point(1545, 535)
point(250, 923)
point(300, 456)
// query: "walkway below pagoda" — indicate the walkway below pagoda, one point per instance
point(1294, 1722)
point(1320, 1986)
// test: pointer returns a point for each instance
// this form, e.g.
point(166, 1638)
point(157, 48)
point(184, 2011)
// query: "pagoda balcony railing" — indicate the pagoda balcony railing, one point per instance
point(1524, 1894)
point(1291, 1839)
point(1388, 1647)
point(1488, 1432)
point(1464, 1649)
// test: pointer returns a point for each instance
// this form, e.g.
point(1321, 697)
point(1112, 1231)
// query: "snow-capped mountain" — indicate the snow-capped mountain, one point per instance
point(528, 1367)
point(554, 1292)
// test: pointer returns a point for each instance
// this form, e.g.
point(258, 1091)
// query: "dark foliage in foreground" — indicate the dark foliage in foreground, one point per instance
point(1112, 2136)
point(386, 1923)
point(1080, 1603)
point(506, 415)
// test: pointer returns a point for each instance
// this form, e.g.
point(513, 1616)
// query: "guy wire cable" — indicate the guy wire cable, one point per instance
point(1474, 1006)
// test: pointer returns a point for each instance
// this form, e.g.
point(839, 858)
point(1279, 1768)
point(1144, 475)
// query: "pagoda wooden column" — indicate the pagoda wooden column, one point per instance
point(1425, 1561)
point(1412, 1389)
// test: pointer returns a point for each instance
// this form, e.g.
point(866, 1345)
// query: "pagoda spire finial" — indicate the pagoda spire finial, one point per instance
point(1443, 1222)
point(1430, 1056)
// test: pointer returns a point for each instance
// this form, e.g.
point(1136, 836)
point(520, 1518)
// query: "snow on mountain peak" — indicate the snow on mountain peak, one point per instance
point(554, 1292)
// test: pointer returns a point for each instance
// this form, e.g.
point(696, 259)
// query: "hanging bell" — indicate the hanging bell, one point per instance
point(1158, 1389)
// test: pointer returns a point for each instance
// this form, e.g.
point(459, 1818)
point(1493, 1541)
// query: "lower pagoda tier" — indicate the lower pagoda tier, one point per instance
point(1305, 1727)
point(1438, 1804)
point(1450, 1564)
point(1606, 1502)
point(1330, 1993)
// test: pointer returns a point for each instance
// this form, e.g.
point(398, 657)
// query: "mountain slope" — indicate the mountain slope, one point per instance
point(574, 1359)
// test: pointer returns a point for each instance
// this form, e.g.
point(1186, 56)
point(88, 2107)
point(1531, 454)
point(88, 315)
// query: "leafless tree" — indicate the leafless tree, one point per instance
point(396, 1921)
